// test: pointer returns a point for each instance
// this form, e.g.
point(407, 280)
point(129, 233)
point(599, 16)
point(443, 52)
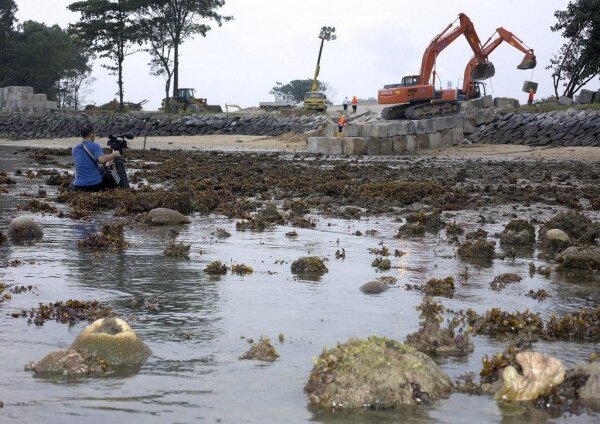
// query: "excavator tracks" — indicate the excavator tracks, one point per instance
point(421, 111)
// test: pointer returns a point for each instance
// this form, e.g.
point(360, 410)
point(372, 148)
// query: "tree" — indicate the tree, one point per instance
point(297, 88)
point(45, 55)
point(578, 60)
point(111, 29)
point(8, 8)
point(171, 23)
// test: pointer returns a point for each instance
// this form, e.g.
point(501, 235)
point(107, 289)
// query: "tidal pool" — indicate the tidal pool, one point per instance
point(197, 325)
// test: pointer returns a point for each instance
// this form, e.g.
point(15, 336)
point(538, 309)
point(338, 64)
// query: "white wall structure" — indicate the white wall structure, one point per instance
point(22, 99)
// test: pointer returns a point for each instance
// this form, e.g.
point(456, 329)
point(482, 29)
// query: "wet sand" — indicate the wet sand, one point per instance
point(298, 143)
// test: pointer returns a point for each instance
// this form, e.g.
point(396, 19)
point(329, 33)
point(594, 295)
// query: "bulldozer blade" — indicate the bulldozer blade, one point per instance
point(527, 63)
point(483, 71)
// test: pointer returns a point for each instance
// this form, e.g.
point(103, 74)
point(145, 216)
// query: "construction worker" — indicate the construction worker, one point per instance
point(341, 123)
point(346, 103)
point(354, 104)
point(530, 98)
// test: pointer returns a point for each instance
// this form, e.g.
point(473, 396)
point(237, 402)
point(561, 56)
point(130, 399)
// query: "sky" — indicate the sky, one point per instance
point(378, 42)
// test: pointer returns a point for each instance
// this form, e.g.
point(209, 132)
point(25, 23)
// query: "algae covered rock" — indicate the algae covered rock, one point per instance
point(24, 228)
point(541, 373)
point(165, 216)
point(502, 280)
point(433, 339)
point(262, 350)
point(476, 249)
point(216, 268)
point(587, 258)
point(518, 233)
point(584, 381)
point(310, 265)
point(440, 287)
point(375, 373)
point(112, 340)
point(579, 228)
point(68, 363)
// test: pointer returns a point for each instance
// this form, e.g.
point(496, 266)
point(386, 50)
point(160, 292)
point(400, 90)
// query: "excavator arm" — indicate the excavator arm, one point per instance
point(501, 35)
point(444, 39)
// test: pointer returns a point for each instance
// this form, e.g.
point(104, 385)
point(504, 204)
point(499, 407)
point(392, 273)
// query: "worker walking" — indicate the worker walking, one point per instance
point(346, 103)
point(341, 123)
point(530, 98)
point(354, 104)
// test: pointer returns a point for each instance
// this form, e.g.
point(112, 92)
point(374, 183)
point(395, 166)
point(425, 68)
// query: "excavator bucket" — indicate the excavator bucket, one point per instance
point(483, 71)
point(528, 62)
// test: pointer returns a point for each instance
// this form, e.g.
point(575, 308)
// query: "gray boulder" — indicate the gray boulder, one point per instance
point(583, 257)
point(165, 216)
point(586, 96)
point(23, 228)
point(375, 373)
point(563, 100)
point(505, 102)
point(585, 381)
point(374, 287)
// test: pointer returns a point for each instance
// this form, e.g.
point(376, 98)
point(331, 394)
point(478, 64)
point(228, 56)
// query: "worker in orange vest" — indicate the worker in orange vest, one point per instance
point(530, 99)
point(354, 104)
point(341, 123)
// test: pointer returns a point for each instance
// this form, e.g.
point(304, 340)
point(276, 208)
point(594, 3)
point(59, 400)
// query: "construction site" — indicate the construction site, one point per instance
point(428, 254)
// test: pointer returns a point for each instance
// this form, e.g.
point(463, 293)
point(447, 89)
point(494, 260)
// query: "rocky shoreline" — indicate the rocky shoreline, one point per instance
point(63, 125)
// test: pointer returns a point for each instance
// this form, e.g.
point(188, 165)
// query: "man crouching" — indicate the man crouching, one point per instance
point(87, 158)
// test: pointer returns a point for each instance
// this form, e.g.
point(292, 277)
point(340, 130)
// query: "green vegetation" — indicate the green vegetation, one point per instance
point(578, 60)
point(297, 88)
point(49, 59)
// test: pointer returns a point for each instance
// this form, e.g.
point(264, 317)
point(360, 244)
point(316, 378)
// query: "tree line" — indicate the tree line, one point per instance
point(56, 61)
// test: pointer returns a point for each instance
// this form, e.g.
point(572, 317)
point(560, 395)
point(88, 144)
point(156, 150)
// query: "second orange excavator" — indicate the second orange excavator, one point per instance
point(473, 88)
point(416, 96)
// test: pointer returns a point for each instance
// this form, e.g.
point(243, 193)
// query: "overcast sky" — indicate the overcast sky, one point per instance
point(379, 41)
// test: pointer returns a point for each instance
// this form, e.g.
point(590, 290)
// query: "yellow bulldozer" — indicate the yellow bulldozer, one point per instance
point(186, 101)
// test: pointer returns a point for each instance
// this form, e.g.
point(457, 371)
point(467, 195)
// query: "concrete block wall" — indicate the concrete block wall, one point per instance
point(401, 136)
point(22, 99)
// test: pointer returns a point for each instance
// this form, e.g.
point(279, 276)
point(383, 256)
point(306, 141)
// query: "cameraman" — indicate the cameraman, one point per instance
point(87, 172)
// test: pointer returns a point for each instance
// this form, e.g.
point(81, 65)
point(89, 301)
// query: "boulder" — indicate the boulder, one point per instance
point(311, 265)
point(540, 374)
point(374, 287)
point(583, 257)
point(506, 102)
point(165, 216)
point(556, 234)
point(23, 228)
point(563, 100)
point(375, 373)
point(68, 363)
point(585, 381)
point(112, 340)
point(586, 96)
point(518, 232)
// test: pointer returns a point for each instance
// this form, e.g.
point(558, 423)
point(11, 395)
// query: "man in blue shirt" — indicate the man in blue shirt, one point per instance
point(87, 174)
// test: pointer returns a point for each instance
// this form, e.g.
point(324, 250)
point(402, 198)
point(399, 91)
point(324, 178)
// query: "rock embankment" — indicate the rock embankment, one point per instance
point(556, 128)
point(62, 125)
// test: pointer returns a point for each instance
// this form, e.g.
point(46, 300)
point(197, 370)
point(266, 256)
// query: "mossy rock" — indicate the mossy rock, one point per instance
point(579, 228)
point(24, 228)
point(311, 265)
point(374, 287)
point(68, 363)
point(581, 257)
point(216, 268)
point(440, 287)
point(518, 232)
point(376, 373)
point(477, 249)
point(262, 350)
point(112, 340)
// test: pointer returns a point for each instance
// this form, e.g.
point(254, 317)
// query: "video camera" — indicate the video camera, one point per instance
point(119, 142)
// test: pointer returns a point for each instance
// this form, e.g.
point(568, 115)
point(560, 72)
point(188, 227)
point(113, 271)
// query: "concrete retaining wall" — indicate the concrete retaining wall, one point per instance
point(22, 99)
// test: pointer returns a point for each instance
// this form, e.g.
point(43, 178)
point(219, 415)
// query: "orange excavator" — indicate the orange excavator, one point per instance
point(416, 97)
point(472, 88)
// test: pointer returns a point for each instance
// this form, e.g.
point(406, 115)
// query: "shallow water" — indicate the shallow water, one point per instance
point(201, 379)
